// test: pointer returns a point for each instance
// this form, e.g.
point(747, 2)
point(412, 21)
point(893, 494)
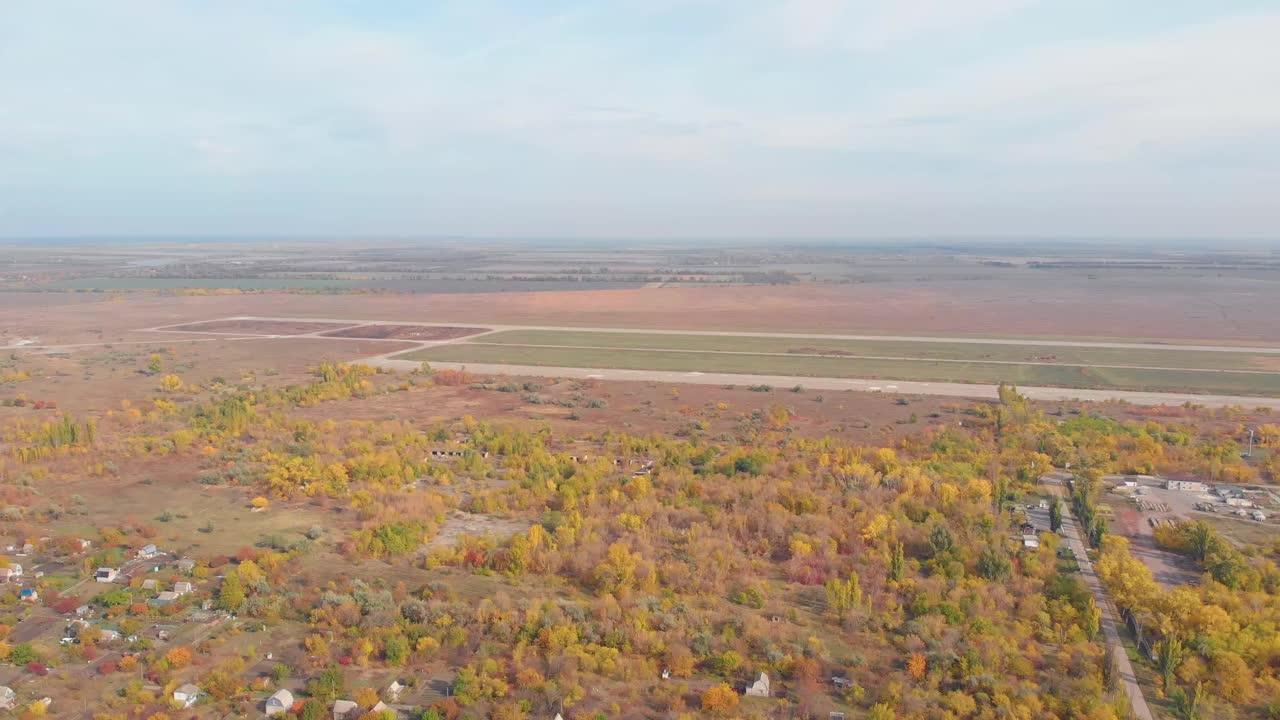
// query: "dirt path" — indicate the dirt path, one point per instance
point(1110, 618)
point(904, 387)
point(1270, 350)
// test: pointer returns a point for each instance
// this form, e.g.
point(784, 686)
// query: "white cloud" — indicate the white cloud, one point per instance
point(875, 25)
point(1080, 102)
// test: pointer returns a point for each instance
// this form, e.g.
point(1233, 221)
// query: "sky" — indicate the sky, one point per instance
point(779, 119)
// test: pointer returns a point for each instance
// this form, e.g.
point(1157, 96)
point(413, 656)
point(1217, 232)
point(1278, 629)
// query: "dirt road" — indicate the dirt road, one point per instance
point(964, 390)
point(1110, 618)
point(1265, 350)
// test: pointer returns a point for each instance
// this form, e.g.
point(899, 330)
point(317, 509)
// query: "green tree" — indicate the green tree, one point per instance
point(993, 564)
point(1187, 707)
point(941, 541)
point(155, 364)
point(313, 709)
point(1055, 515)
point(1169, 654)
point(897, 563)
point(23, 653)
point(114, 598)
point(328, 685)
point(396, 650)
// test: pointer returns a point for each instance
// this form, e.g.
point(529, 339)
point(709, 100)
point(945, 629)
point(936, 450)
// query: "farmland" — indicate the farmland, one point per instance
point(1170, 358)
point(805, 365)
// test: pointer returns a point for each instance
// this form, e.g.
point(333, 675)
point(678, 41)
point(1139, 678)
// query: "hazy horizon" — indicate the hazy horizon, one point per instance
point(795, 121)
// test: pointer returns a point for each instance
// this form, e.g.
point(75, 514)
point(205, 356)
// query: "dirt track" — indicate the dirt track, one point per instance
point(812, 383)
point(1264, 350)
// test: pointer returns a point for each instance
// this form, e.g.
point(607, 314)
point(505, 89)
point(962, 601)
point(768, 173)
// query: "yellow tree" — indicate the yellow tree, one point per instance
point(1128, 579)
point(719, 699)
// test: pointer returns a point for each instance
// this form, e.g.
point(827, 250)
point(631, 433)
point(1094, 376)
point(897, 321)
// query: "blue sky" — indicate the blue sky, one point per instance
point(641, 118)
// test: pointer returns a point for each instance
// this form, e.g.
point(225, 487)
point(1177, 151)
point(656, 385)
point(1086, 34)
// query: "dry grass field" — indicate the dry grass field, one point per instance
point(1075, 309)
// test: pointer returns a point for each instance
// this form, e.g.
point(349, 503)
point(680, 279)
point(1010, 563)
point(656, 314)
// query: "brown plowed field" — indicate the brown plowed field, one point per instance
point(404, 332)
point(259, 327)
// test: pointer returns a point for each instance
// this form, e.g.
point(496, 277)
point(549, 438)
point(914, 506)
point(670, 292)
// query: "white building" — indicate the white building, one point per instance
point(7, 697)
point(759, 688)
point(280, 703)
point(186, 696)
point(1184, 485)
point(106, 574)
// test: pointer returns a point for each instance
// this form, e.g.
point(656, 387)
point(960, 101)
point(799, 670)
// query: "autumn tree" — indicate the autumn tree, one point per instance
point(844, 595)
point(231, 595)
point(719, 699)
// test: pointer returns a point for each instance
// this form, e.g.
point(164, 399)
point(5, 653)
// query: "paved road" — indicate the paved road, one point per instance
point(964, 390)
point(1272, 350)
point(1110, 617)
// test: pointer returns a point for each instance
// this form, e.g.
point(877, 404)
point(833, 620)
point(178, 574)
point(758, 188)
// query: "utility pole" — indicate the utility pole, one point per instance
point(1250, 453)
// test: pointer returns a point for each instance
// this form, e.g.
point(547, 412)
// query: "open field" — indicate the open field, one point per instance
point(830, 367)
point(1170, 358)
point(1067, 311)
point(405, 332)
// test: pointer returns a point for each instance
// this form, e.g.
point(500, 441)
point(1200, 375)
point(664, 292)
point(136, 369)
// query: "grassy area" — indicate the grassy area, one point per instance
point(1242, 531)
point(808, 366)
point(894, 349)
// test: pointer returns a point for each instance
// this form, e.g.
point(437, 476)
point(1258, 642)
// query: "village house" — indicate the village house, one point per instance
point(343, 709)
point(186, 696)
point(148, 551)
point(279, 703)
point(11, 573)
point(166, 597)
point(759, 688)
point(7, 697)
point(28, 595)
point(106, 574)
point(182, 588)
point(394, 689)
point(186, 565)
point(149, 584)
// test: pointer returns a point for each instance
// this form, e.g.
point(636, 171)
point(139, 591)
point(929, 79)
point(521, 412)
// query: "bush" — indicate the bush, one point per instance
point(22, 653)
